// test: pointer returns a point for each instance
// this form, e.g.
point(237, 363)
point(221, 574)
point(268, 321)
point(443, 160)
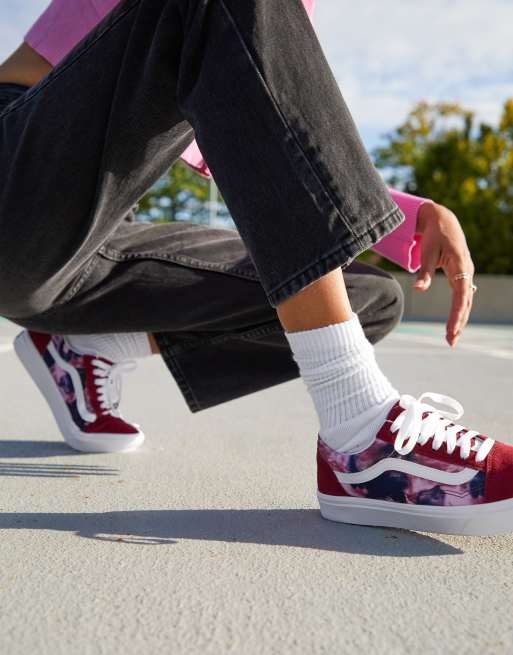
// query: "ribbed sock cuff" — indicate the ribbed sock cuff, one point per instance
point(114, 347)
point(350, 392)
point(342, 337)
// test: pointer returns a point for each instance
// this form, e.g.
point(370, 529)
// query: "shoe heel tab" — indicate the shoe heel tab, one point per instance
point(327, 482)
point(40, 340)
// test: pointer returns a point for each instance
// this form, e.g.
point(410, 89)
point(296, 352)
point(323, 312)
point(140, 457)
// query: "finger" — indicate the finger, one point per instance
point(423, 281)
point(460, 309)
point(463, 295)
point(468, 312)
point(455, 322)
point(469, 298)
point(463, 324)
point(425, 275)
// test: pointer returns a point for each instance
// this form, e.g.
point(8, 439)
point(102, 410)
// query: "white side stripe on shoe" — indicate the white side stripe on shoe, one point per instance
point(405, 466)
point(77, 385)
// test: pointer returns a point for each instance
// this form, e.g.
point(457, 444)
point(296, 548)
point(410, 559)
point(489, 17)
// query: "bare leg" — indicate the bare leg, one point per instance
point(155, 350)
point(24, 66)
point(323, 303)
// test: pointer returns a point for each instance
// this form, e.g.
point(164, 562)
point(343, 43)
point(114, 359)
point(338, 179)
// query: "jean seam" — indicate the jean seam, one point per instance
point(84, 276)
point(181, 260)
point(274, 328)
point(179, 349)
point(54, 73)
point(379, 221)
point(299, 148)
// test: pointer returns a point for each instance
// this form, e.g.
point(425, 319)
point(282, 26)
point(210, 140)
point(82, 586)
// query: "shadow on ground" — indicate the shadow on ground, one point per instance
point(40, 449)
point(19, 449)
point(300, 528)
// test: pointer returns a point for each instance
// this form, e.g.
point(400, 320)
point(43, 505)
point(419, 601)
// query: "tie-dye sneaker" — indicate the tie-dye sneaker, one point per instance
point(83, 392)
point(422, 472)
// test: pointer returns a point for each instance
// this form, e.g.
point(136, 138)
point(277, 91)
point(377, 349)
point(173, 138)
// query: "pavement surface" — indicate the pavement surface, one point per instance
point(209, 541)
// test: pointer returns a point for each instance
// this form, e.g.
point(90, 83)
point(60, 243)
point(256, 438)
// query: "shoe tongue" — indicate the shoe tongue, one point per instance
point(395, 411)
point(92, 389)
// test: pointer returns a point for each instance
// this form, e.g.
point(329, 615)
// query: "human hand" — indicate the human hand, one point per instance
point(444, 246)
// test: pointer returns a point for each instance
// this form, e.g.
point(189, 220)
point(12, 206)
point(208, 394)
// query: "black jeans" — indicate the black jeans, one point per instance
point(78, 149)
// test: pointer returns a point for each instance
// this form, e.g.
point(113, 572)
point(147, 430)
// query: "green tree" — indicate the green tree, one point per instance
point(440, 152)
point(180, 194)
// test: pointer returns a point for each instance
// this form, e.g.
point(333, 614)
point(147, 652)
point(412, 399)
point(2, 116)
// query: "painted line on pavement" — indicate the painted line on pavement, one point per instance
point(498, 353)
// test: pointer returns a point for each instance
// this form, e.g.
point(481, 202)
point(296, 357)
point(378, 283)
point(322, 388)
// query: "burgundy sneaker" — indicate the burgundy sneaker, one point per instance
point(421, 472)
point(83, 392)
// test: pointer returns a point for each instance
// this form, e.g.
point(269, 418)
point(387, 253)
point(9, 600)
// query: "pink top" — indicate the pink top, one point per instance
point(65, 22)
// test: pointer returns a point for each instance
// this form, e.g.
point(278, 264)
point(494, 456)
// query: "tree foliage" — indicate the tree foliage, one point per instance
point(440, 152)
point(180, 194)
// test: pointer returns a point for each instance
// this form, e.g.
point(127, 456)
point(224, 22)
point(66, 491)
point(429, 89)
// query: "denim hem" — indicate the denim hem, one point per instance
point(339, 257)
point(171, 353)
point(174, 367)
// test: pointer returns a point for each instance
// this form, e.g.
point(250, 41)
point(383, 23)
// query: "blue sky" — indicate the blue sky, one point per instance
point(388, 54)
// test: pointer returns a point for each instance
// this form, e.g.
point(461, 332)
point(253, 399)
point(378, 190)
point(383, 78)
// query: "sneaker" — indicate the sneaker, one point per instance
point(83, 392)
point(423, 472)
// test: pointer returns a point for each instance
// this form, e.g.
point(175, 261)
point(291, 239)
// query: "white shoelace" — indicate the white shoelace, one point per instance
point(439, 425)
point(108, 381)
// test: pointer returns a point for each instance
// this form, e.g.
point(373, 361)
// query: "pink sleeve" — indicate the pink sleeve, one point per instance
point(402, 246)
point(194, 158)
point(309, 6)
point(61, 26)
point(192, 155)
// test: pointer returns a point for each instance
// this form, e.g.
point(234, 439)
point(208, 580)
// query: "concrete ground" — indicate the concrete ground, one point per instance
point(209, 541)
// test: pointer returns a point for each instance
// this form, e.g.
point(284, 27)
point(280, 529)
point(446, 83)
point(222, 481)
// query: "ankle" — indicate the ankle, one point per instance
point(349, 390)
point(155, 350)
point(324, 302)
point(359, 432)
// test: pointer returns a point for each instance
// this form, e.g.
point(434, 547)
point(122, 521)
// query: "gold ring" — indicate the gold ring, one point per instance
point(463, 276)
point(466, 276)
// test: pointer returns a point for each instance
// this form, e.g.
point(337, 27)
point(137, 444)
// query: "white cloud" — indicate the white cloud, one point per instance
point(387, 55)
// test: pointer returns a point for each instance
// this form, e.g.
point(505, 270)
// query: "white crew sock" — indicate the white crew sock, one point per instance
point(114, 347)
point(350, 393)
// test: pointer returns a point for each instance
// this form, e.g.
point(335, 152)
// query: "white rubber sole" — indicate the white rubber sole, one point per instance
point(87, 443)
point(476, 520)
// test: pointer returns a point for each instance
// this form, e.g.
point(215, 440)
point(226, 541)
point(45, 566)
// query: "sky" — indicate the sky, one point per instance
point(388, 54)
